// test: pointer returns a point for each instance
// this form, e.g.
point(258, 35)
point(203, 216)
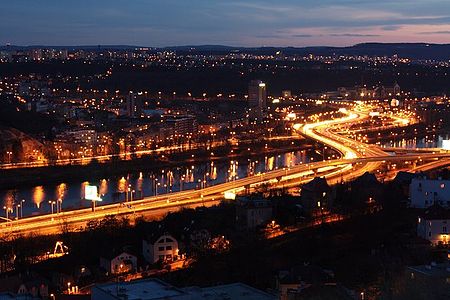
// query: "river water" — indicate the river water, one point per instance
point(429, 141)
point(38, 199)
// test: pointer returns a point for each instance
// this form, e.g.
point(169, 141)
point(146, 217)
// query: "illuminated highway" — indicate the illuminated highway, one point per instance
point(357, 158)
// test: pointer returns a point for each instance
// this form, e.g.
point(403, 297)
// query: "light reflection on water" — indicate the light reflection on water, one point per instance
point(38, 195)
point(429, 141)
point(103, 190)
point(61, 191)
point(141, 184)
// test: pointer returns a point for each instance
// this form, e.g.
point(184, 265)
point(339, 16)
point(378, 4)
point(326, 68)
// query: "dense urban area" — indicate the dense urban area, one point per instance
point(220, 172)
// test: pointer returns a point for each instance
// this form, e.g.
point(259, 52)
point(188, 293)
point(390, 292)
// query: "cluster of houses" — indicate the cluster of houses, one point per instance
point(429, 197)
point(157, 248)
point(432, 196)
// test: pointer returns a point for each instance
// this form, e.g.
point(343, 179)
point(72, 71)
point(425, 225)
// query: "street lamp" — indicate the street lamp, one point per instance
point(52, 203)
point(60, 205)
point(157, 186)
point(7, 211)
point(17, 211)
point(9, 153)
point(181, 182)
point(126, 192)
point(21, 207)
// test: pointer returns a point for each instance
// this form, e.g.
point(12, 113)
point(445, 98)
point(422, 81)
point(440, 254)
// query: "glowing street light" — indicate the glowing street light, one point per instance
point(59, 206)
point(52, 203)
point(9, 153)
point(7, 211)
point(21, 207)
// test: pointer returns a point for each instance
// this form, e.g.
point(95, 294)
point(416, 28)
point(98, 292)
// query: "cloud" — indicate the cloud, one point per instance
point(444, 32)
point(391, 27)
point(248, 23)
point(302, 35)
point(353, 34)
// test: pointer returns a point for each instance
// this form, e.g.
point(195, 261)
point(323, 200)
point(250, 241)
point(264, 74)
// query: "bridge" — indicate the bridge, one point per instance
point(356, 159)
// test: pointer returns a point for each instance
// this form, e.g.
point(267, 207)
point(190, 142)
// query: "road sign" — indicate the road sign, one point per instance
point(91, 193)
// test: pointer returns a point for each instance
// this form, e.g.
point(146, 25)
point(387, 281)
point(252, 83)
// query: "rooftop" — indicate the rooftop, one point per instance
point(318, 184)
point(153, 289)
point(147, 289)
point(228, 291)
point(436, 212)
point(433, 270)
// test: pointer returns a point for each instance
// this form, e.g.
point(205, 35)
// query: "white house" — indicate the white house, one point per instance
point(122, 263)
point(434, 225)
point(160, 248)
point(426, 192)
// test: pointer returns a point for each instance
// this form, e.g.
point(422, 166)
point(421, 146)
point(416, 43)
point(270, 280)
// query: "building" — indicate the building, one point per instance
point(40, 106)
point(426, 192)
point(81, 136)
point(431, 280)
point(235, 291)
point(116, 264)
point(36, 54)
point(366, 189)
point(293, 282)
point(160, 248)
point(146, 289)
point(252, 212)
point(27, 286)
point(304, 281)
point(286, 94)
point(152, 289)
point(257, 98)
point(316, 194)
point(434, 225)
point(180, 125)
point(134, 105)
point(403, 180)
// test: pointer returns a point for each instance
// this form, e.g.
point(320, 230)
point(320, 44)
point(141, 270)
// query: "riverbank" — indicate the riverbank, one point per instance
point(14, 178)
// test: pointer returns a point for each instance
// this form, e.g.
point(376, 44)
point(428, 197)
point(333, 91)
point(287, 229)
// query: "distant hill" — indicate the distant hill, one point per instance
point(85, 47)
point(408, 50)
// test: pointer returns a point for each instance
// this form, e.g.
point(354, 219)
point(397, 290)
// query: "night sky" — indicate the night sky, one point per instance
point(234, 23)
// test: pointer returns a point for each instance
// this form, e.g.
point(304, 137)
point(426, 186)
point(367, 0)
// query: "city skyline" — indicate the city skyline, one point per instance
point(212, 149)
point(246, 24)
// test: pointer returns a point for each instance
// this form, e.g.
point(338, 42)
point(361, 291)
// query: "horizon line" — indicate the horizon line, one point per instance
point(218, 45)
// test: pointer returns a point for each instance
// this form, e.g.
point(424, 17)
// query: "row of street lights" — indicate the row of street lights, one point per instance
point(19, 209)
point(58, 204)
point(9, 210)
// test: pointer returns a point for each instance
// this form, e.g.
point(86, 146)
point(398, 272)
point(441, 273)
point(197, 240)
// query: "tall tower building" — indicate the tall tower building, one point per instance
point(134, 105)
point(257, 96)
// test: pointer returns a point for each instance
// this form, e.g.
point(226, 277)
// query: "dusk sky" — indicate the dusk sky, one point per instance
point(234, 22)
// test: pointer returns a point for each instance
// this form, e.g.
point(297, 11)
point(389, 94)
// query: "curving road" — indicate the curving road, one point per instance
point(357, 159)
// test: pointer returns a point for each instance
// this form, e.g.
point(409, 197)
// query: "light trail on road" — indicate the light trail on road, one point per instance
point(358, 158)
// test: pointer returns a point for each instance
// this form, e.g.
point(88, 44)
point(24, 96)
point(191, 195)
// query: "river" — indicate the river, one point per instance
point(429, 141)
point(38, 199)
